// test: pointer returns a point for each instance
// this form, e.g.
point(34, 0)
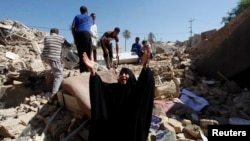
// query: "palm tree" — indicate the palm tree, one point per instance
point(126, 35)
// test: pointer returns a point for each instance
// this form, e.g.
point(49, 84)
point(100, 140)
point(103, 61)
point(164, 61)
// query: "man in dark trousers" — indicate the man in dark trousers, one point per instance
point(106, 44)
point(82, 36)
point(136, 47)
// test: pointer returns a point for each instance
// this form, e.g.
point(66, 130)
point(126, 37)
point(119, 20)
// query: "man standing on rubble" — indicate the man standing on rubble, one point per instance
point(51, 55)
point(106, 44)
point(136, 47)
point(94, 35)
point(82, 35)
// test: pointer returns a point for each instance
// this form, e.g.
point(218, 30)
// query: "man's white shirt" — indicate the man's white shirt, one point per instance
point(94, 34)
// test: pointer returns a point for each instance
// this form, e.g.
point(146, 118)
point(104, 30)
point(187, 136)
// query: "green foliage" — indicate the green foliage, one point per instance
point(242, 5)
point(126, 34)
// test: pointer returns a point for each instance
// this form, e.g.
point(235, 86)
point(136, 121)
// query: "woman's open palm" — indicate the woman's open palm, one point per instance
point(89, 63)
point(145, 57)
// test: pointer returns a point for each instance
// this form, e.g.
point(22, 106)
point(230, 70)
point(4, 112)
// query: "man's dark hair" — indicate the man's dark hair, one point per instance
point(54, 30)
point(92, 14)
point(117, 29)
point(137, 38)
point(144, 41)
point(83, 9)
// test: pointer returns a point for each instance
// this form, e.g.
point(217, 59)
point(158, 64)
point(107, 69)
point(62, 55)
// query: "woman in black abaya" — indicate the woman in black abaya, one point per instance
point(121, 111)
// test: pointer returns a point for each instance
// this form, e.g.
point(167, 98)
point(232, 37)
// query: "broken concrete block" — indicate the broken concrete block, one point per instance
point(24, 119)
point(11, 55)
point(166, 126)
point(180, 136)
point(24, 107)
point(186, 122)
point(32, 98)
point(10, 127)
point(34, 109)
point(7, 139)
point(205, 122)
point(35, 104)
point(36, 47)
point(7, 113)
point(26, 100)
point(193, 130)
point(21, 51)
point(15, 82)
point(37, 65)
point(18, 65)
point(176, 124)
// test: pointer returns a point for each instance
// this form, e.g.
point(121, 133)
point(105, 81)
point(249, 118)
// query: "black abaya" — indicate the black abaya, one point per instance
point(121, 112)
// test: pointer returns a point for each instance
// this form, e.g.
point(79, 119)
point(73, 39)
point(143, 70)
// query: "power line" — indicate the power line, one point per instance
point(101, 32)
point(191, 30)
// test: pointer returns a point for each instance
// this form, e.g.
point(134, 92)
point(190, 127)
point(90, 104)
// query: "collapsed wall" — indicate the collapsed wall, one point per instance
point(227, 51)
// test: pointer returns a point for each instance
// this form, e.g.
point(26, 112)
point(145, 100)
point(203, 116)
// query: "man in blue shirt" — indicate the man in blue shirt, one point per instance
point(136, 47)
point(82, 36)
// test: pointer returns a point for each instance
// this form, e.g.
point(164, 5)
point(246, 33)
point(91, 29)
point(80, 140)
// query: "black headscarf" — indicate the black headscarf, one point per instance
point(132, 78)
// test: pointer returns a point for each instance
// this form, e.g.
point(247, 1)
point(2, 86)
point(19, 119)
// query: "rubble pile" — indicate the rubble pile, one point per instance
point(224, 46)
point(35, 117)
point(20, 51)
point(176, 119)
point(185, 103)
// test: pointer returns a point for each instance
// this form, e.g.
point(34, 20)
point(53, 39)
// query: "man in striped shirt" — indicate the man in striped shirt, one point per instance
point(51, 55)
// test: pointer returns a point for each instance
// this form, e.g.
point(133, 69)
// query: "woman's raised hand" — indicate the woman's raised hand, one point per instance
point(89, 63)
point(145, 58)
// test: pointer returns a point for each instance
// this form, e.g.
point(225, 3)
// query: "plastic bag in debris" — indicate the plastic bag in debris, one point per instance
point(193, 101)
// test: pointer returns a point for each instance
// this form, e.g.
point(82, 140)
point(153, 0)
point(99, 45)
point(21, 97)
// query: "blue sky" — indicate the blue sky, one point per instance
point(168, 20)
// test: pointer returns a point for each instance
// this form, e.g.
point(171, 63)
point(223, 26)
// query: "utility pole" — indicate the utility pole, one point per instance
point(191, 31)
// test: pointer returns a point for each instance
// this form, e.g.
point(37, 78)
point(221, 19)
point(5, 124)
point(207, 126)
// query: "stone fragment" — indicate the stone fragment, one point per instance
point(24, 119)
point(176, 124)
point(193, 130)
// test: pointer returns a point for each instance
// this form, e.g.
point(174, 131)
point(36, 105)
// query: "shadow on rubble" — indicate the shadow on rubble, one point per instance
point(53, 123)
point(242, 79)
point(46, 119)
point(17, 86)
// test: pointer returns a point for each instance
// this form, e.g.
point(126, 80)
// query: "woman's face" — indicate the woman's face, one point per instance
point(123, 78)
